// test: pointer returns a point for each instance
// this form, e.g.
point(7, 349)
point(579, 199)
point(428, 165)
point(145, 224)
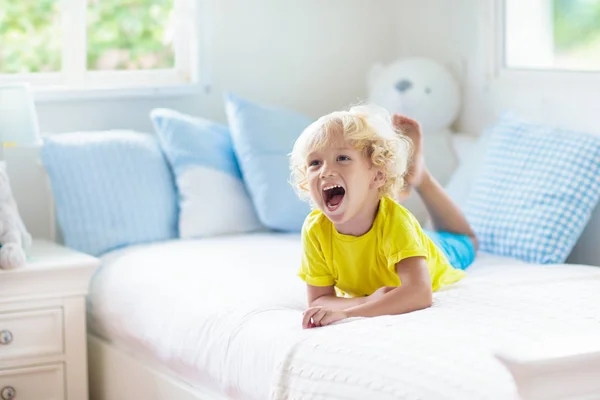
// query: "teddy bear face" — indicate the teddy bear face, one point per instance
point(419, 88)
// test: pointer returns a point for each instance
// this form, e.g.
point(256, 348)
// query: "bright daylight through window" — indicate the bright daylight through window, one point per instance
point(552, 34)
point(97, 43)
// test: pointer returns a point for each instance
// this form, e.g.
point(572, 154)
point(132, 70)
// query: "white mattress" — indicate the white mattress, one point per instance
point(220, 311)
point(226, 312)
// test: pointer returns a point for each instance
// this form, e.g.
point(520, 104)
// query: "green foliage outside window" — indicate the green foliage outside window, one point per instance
point(137, 34)
point(130, 34)
point(576, 23)
point(121, 34)
point(30, 38)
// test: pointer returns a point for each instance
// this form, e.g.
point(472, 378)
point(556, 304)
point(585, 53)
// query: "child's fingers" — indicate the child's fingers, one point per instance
point(318, 317)
point(307, 316)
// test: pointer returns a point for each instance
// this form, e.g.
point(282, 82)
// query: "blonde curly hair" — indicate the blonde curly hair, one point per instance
point(367, 128)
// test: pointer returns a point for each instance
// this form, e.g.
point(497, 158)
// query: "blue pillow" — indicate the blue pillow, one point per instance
point(263, 137)
point(212, 197)
point(535, 192)
point(111, 189)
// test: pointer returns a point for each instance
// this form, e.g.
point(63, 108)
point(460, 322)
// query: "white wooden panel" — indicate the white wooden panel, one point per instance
point(31, 334)
point(36, 383)
point(117, 375)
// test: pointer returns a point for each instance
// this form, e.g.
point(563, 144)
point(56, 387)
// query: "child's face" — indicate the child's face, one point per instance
point(341, 180)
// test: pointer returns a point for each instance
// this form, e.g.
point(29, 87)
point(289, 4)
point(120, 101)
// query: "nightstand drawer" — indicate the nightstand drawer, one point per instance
point(39, 383)
point(31, 334)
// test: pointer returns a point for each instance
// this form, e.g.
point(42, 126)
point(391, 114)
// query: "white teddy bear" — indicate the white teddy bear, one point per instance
point(14, 238)
point(425, 90)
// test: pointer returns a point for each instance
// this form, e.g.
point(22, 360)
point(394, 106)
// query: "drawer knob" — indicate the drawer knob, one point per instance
point(8, 393)
point(6, 337)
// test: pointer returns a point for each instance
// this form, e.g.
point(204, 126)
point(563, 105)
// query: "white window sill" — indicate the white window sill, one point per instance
point(60, 93)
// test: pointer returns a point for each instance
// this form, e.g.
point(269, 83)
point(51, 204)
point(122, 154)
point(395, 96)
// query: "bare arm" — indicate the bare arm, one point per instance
point(325, 296)
point(446, 215)
point(414, 294)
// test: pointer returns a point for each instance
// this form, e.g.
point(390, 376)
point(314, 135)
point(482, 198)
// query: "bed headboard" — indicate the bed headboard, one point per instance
point(33, 193)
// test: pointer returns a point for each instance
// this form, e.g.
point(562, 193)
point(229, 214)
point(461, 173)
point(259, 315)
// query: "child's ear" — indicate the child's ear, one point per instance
point(379, 179)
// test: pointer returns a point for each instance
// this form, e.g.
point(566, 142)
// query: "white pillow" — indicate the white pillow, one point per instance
point(212, 196)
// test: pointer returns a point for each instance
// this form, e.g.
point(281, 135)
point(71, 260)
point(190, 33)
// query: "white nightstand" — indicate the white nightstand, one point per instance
point(43, 353)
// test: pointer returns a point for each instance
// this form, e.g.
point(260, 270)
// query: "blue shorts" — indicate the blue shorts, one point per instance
point(459, 249)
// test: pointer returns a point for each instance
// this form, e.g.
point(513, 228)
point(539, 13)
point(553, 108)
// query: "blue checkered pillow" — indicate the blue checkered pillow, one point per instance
point(535, 192)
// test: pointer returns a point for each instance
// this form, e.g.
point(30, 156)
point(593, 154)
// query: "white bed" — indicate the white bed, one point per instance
point(224, 313)
point(220, 319)
point(221, 312)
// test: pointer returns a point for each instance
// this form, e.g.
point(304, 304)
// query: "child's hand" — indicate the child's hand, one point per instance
point(321, 316)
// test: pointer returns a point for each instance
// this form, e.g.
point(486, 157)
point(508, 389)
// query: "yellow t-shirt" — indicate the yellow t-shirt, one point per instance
point(359, 265)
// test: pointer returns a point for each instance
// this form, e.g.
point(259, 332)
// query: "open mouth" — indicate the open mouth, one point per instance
point(333, 196)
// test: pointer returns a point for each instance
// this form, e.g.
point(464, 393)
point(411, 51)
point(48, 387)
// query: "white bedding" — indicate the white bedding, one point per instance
point(226, 312)
point(219, 311)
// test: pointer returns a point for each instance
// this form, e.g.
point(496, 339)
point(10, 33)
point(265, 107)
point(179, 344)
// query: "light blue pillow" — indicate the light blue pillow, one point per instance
point(212, 197)
point(111, 189)
point(535, 192)
point(263, 137)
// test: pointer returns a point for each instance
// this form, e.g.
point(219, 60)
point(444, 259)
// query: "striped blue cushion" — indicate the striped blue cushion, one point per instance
point(535, 192)
point(111, 189)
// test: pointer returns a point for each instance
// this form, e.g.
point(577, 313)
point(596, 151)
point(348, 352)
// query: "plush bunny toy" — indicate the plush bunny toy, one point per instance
point(14, 238)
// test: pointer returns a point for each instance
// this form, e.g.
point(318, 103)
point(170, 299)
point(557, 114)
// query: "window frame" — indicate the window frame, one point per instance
point(527, 77)
point(74, 81)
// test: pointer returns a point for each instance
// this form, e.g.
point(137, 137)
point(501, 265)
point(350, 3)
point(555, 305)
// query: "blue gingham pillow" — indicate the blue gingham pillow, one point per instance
point(535, 192)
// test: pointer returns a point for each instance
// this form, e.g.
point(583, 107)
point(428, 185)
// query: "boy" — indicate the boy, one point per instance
point(364, 254)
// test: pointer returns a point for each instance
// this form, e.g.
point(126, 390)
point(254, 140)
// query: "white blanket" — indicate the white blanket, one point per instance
point(226, 312)
point(446, 352)
point(219, 312)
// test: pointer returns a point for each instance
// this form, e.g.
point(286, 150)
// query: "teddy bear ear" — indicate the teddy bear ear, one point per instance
point(374, 73)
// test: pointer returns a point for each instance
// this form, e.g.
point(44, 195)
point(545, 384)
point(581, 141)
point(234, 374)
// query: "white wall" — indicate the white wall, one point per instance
point(310, 55)
point(458, 32)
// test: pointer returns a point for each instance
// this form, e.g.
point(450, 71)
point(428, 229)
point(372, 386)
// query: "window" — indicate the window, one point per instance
point(98, 43)
point(551, 34)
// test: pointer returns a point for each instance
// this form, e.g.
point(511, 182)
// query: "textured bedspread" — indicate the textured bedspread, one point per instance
point(445, 352)
point(225, 312)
